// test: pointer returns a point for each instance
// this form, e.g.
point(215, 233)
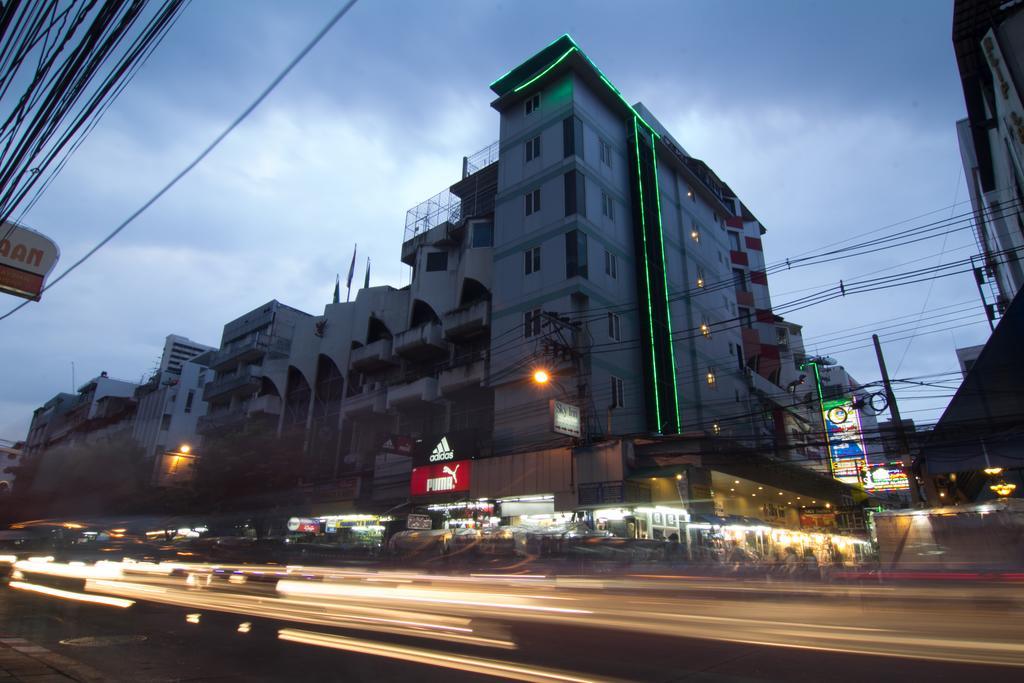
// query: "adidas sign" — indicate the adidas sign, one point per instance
point(442, 451)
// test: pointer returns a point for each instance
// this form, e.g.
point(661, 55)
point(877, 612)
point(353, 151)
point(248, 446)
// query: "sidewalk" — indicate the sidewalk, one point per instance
point(21, 660)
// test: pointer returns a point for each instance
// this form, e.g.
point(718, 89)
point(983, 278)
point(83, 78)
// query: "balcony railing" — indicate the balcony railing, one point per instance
point(462, 376)
point(468, 320)
point(423, 390)
point(374, 356)
point(421, 341)
point(246, 380)
point(250, 349)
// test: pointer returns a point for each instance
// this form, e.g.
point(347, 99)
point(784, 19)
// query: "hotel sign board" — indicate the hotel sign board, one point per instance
point(565, 419)
point(26, 258)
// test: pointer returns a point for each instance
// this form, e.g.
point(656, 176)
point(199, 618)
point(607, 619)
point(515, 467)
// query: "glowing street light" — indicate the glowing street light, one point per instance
point(541, 376)
point(185, 448)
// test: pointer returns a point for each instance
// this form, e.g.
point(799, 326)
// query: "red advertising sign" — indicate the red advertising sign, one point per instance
point(449, 477)
point(399, 445)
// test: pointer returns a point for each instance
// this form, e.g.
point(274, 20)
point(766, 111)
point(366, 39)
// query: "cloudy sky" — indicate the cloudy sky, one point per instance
point(828, 119)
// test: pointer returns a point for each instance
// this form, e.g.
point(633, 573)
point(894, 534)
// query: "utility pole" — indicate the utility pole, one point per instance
point(894, 409)
point(813, 362)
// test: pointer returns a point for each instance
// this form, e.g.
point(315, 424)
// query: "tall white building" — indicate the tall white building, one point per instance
point(988, 36)
point(179, 350)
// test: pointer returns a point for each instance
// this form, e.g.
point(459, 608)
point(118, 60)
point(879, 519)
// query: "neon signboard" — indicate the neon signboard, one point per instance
point(845, 440)
point(886, 477)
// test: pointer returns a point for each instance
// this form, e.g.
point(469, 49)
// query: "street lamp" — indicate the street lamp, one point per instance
point(541, 376)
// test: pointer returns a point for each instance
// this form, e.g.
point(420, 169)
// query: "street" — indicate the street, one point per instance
point(325, 624)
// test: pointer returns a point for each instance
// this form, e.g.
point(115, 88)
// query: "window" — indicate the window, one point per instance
point(614, 327)
point(611, 266)
point(617, 393)
point(734, 241)
point(746, 320)
point(606, 153)
point(607, 205)
point(695, 233)
point(483, 234)
point(188, 400)
point(533, 201)
point(711, 378)
point(692, 196)
point(437, 260)
point(575, 254)
point(532, 103)
point(740, 276)
point(572, 137)
point(532, 260)
point(705, 329)
point(700, 278)
point(165, 423)
point(531, 323)
point(575, 194)
point(533, 149)
point(782, 337)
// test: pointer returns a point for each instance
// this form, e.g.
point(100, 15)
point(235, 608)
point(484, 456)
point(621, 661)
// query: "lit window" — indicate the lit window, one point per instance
point(700, 279)
point(705, 329)
point(711, 378)
point(695, 233)
point(533, 104)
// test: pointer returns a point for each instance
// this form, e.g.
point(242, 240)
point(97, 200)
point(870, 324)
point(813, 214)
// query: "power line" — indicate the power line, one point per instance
point(202, 155)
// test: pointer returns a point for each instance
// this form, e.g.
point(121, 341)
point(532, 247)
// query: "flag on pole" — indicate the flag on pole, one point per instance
point(366, 281)
point(337, 288)
point(351, 272)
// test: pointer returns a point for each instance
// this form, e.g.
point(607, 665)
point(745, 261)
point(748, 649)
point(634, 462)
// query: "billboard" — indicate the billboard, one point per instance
point(891, 476)
point(26, 258)
point(847, 454)
point(440, 478)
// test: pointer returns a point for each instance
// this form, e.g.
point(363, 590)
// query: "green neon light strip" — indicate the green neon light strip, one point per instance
point(505, 75)
point(664, 279)
point(576, 48)
point(547, 70)
point(647, 276)
point(824, 425)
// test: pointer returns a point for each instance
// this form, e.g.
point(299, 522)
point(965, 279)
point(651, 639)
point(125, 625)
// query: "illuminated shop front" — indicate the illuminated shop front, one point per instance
point(344, 530)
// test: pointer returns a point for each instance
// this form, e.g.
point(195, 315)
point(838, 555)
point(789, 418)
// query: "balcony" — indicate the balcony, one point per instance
point(264, 405)
point(468, 320)
point(249, 350)
point(372, 400)
point(245, 381)
point(422, 341)
point(423, 390)
point(462, 377)
point(220, 421)
point(373, 357)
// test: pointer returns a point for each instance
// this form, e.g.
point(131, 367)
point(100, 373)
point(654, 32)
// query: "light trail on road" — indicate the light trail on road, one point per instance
point(975, 624)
